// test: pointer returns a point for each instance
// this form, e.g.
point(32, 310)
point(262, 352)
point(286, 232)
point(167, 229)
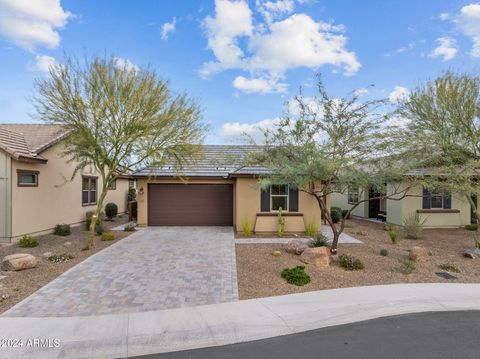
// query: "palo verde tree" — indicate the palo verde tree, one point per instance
point(329, 145)
point(119, 118)
point(442, 138)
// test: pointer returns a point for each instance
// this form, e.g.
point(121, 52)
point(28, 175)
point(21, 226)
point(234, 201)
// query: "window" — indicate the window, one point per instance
point(89, 191)
point(352, 195)
point(27, 178)
point(436, 199)
point(112, 184)
point(131, 183)
point(279, 197)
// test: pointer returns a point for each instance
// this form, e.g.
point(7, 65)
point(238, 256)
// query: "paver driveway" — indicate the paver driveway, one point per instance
point(152, 269)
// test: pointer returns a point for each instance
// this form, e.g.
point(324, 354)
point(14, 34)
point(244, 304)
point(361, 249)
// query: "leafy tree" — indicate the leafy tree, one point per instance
point(119, 118)
point(329, 145)
point(442, 138)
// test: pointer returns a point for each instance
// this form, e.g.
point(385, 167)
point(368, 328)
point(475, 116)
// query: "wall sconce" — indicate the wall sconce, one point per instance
point(141, 191)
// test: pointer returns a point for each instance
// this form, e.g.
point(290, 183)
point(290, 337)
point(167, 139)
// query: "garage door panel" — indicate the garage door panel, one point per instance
point(190, 205)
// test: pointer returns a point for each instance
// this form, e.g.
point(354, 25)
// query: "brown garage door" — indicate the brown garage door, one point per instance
point(190, 205)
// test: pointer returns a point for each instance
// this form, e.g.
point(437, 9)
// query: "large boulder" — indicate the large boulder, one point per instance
point(318, 256)
point(472, 253)
point(418, 253)
point(295, 246)
point(19, 261)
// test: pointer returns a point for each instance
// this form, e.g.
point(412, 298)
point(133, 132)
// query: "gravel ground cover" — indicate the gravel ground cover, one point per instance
point(258, 270)
point(16, 286)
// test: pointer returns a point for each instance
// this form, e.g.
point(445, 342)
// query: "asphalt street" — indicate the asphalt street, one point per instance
point(434, 335)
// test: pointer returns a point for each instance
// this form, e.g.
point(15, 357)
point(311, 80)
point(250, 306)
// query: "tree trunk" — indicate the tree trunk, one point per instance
point(333, 247)
point(95, 218)
point(328, 218)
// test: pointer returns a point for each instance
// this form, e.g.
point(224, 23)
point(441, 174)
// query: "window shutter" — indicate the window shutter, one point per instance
point(447, 200)
point(265, 200)
point(426, 199)
point(293, 200)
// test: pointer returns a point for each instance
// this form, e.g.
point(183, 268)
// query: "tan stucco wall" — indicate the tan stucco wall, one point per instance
point(57, 199)
point(142, 183)
point(341, 200)
point(394, 207)
point(246, 205)
point(5, 202)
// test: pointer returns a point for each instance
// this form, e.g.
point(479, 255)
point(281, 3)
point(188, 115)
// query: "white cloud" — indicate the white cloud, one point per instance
point(258, 85)
point(447, 48)
point(398, 94)
point(274, 47)
point(361, 92)
point(444, 16)
point(43, 63)
point(168, 28)
point(29, 24)
point(125, 63)
point(469, 23)
point(236, 131)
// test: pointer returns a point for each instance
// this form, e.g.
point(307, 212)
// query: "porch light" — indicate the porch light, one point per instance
point(141, 191)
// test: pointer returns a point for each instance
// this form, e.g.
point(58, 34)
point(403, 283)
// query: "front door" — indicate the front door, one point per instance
point(373, 205)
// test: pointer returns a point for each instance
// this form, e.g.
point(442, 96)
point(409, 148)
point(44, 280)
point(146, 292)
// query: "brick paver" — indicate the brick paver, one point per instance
point(152, 269)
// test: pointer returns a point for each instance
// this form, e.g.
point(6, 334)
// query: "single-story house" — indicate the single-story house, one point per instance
point(214, 192)
point(36, 189)
point(441, 209)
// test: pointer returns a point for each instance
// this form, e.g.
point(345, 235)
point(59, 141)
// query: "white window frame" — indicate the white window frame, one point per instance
point(280, 195)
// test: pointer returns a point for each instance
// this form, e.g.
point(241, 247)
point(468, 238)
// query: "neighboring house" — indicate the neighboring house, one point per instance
point(438, 209)
point(36, 188)
point(213, 192)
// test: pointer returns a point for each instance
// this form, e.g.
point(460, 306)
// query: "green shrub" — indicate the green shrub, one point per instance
point(449, 267)
point(393, 236)
point(281, 223)
point(99, 229)
point(311, 229)
point(60, 258)
point(344, 214)
point(132, 194)
point(129, 228)
point(471, 227)
point(246, 227)
point(296, 276)
point(413, 226)
point(111, 210)
point(108, 236)
point(62, 230)
point(335, 208)
point(350, 262)
point(383, 252)
point(336, 214)
point(320, 240)
point(407, 266)
point(89, 216)
point(28, 242)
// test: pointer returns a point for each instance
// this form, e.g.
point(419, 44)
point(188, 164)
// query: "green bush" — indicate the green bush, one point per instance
point(132, 194)
point(246, 227)
point(62, 230)
point(281, 223)
point(111, 210)
point(335, 208)
point(449, 267)
point(344, 213)
point(89, 216)
point(311, 229)
point(60, 258)
point(413, 226)
point(100, 229)
point(320, 240)
point(383, 252)
point(471, 227)
point(407, 266)
point(336, 214)
point(350, 262)
point(28, 242)
point(129, 228)
point(108, 236)
point(393, 236)
point(296, 276)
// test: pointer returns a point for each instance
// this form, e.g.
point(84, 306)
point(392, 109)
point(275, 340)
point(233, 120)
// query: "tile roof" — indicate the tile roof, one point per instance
point(28, 141)
point(216, 161)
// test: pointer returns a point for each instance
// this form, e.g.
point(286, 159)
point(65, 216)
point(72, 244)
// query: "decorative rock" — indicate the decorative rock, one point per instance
point(47, 254)
point(295, 247)
point(418, 253)
point(67, 244)
point(472, 253)
point(318, 256)
point(277, 253)
point(19, 261)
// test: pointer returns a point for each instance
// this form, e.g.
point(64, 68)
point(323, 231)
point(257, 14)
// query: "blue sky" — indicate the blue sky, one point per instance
point(242, 60)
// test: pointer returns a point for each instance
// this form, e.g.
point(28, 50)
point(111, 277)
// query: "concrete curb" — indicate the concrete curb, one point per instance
point(132, 334)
